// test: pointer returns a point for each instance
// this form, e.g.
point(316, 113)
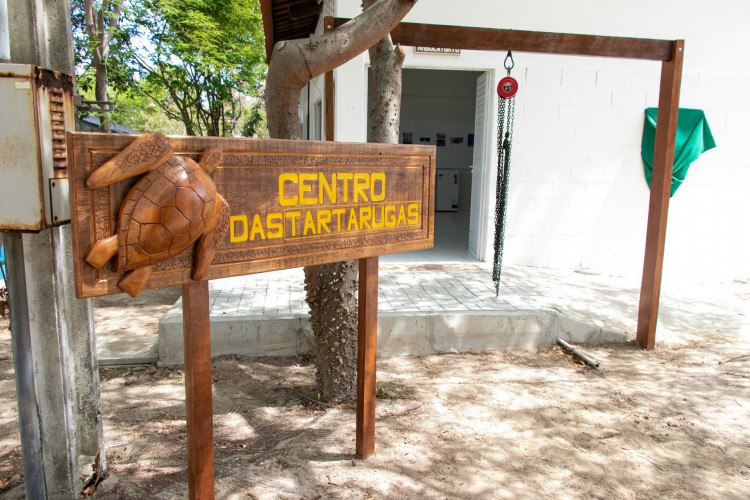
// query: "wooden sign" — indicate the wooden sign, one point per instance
point(276, 205)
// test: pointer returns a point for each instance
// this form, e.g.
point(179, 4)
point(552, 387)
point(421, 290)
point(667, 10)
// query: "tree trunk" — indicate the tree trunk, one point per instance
point(331, 288)
point(99, 26)
point(385, 94)
point(332, 297)
point(100, 92)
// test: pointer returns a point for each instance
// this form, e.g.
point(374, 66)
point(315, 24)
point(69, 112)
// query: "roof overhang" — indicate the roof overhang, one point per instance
point(288, 20)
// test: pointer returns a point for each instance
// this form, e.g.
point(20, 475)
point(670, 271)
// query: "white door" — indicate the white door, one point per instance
point(481, 168)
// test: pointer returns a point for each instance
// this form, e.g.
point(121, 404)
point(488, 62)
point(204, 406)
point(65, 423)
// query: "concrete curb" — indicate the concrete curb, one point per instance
point(399, 333)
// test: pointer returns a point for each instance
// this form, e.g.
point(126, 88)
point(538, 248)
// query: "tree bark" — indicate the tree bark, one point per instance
point(331, 288)
point(385, 94)
point(100, 92)
point(332, 297)
point(99, 26)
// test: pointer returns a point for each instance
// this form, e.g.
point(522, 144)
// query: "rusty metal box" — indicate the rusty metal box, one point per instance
point(36, 110)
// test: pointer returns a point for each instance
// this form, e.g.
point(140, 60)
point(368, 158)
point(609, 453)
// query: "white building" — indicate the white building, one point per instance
point(578, 196)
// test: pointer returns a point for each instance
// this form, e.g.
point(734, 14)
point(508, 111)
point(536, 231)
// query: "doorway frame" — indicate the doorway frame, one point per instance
point(489, 147)
point(487, 173)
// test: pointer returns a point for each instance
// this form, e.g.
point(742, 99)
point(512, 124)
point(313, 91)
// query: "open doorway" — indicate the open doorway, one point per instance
point(438, 107)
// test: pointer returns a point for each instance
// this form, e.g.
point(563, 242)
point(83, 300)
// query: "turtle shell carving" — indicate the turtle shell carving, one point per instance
point(171, 207)
point(164, 213)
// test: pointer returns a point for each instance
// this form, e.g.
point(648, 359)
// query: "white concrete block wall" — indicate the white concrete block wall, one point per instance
point(578, 198)
point(316, 93)
point(710, 214)
point(601, 174)
point(351, 101)
point(573, 160)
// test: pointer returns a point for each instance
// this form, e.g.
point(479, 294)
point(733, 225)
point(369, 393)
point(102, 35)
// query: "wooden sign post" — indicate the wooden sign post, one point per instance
point(150, 211)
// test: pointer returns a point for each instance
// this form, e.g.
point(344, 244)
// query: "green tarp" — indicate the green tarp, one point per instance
point(693, 139)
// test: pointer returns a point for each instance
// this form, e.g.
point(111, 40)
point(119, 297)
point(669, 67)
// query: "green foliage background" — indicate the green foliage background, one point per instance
point(191, 67)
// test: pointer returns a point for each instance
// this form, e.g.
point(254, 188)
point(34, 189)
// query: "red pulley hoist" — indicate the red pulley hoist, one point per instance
point(506, 92)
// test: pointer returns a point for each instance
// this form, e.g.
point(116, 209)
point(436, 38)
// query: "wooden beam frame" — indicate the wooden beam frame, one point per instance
point(669, 52)
point(460, 37)
point(661, 183)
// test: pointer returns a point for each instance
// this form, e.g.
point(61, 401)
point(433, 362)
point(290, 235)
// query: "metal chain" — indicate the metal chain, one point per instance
point(504, 141)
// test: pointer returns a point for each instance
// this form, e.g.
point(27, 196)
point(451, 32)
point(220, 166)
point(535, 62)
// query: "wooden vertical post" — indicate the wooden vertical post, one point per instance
point(328, 90)
point(661, 182)
point(198, 396)
point(366, 355)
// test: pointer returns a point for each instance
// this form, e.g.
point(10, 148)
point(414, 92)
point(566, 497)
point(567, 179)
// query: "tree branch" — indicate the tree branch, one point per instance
point(110, 25)
point(384, 43)
point(158, 102)
point(116, 15)
point(100, 21)
point(296, 62)
point(88, 9)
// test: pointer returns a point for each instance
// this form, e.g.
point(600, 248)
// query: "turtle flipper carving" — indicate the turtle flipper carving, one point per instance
point(210, 159)
point(142, 155)
point(134, 282)
point(171, 207)
point(102, 251)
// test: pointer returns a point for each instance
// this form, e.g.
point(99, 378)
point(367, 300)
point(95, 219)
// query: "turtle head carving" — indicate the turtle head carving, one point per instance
point(174, 205)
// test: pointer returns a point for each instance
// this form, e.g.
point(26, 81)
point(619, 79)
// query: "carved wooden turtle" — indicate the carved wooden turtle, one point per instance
point(174, 205)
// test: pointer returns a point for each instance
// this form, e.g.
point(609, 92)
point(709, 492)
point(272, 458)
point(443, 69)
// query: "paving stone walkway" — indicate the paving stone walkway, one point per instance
point(694, 313)
point(689, 312)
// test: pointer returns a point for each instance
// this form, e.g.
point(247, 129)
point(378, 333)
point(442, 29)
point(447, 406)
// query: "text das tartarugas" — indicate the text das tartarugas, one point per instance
point(319, 204)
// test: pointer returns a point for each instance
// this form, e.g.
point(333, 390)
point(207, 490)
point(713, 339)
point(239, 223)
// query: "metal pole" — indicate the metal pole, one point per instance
point(57, 377)
point(28, 417)
point(40, 330)
point(4, 32)
point(575, 352)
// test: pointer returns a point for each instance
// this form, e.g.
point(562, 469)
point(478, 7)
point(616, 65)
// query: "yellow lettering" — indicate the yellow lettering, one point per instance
point(375, 223)
point(283, 178)
point(345, 177)
point(257, 229)
point(390, 217)
point(234, 236)
point(324, 218)
point(377, 178)
point(311, 188)
point(338, 212)
point(306, 182)
point(309, 224)
point(326, 188)
point(352, 221)
point(361, 185)
point(401, 217)
point(293, 216)
point(365, 214)
point(275, 225)
point(413, 210)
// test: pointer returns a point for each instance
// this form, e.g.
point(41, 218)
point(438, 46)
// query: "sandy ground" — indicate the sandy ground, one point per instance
point(124, 315)
point(671, 423)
